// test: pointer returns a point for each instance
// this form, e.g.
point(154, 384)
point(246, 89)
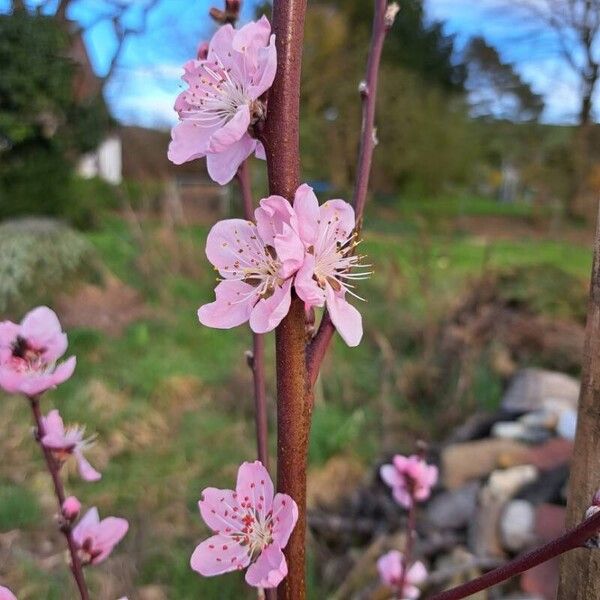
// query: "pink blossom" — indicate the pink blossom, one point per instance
point(95, 539)
point(71, 508)
point(65, 442)
point(326, 276)
point(29, 351)
point(410, 478)
point(223, 101)
point(251, 527)
point(391, 568)
point(256, 263)
point(6, 594)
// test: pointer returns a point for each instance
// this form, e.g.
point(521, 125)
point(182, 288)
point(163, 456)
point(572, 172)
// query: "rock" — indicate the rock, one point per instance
point(547, 419)
point(483, 533)
point(504, 484)
point(542, 580)
point(567, 424)
point(531, 387)
point(550, 521)
point(547, 488)
point(550, 455)
point(517, 525)
point(476, 427)
point(334, 481)
point(484, 530)
point(453, 509)
point(519, 431)
point(457, 568)
point(459, 466)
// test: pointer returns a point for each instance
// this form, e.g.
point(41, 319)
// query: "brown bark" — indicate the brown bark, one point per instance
point(281, 139)
point(580, 569)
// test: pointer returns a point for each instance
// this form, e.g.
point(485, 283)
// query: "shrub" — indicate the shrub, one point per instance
point(39, 257)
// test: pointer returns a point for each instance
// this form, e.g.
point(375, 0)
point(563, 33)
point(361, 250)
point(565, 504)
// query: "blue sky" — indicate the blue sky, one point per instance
point(144, 88)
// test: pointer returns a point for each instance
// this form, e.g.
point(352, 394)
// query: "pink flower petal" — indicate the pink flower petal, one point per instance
point(54, 426)
point(252, 36)
point(267, 314)
point(402, 497)
point(269, 570)
point(6, 594)
point(64, 371)
point(219, 554)
point(260, 151)
point(220, 510)
point(306, 287)
point(86, 525)
point(221, 43)
point(266, 70)
point(277, 225)
point(390, 475)
point(389, 567)
point(254, 483)
point(42, 329)
point(233, 131)
point(109, 532)
point(340, 215)
point(272, 214)
point(87, 472)
point(223, 166)
point(8, 334)
point(188, 142)
point(285, 516)
point(417, 573)
point(306, 206)
point(231, 308)
point(232, 241)
point(347, 320)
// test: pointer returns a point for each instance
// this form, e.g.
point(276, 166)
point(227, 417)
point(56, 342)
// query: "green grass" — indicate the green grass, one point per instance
point(174, 408)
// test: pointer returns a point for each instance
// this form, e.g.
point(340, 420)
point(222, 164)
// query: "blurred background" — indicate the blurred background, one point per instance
point(480, 227)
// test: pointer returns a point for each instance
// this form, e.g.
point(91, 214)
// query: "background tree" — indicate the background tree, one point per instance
point(496, 89)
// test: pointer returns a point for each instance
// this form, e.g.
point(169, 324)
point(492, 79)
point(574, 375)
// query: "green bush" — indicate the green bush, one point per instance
point(39, 257)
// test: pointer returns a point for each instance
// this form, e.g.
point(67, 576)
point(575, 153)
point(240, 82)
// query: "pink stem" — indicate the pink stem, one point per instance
point(320, 343)
point(575, 538)
point(53, 469)
point(257, 362)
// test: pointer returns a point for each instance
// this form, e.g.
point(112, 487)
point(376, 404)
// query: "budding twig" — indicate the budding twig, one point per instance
point(382, 21)
point(59, 491)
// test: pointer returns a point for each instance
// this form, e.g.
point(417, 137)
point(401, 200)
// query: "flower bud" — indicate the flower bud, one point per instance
point(70, 508)
point(202, 52)
point(390, 14)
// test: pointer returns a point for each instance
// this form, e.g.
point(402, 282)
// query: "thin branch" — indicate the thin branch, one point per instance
point(368, 90)
point(575, 538)
point(257, 360)
point(53, 469)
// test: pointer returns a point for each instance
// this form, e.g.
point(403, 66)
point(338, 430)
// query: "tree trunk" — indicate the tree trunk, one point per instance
point(580, 569)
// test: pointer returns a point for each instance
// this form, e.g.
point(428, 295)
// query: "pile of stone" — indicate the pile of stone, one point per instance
point(502, 491)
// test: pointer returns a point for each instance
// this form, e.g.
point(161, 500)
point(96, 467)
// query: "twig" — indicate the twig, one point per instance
point(257, 361)
point(575, 538)
point(368, 91)
point(410, 540)
point(53, 469)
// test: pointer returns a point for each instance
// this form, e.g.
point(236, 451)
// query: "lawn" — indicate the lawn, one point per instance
point(171, 400)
